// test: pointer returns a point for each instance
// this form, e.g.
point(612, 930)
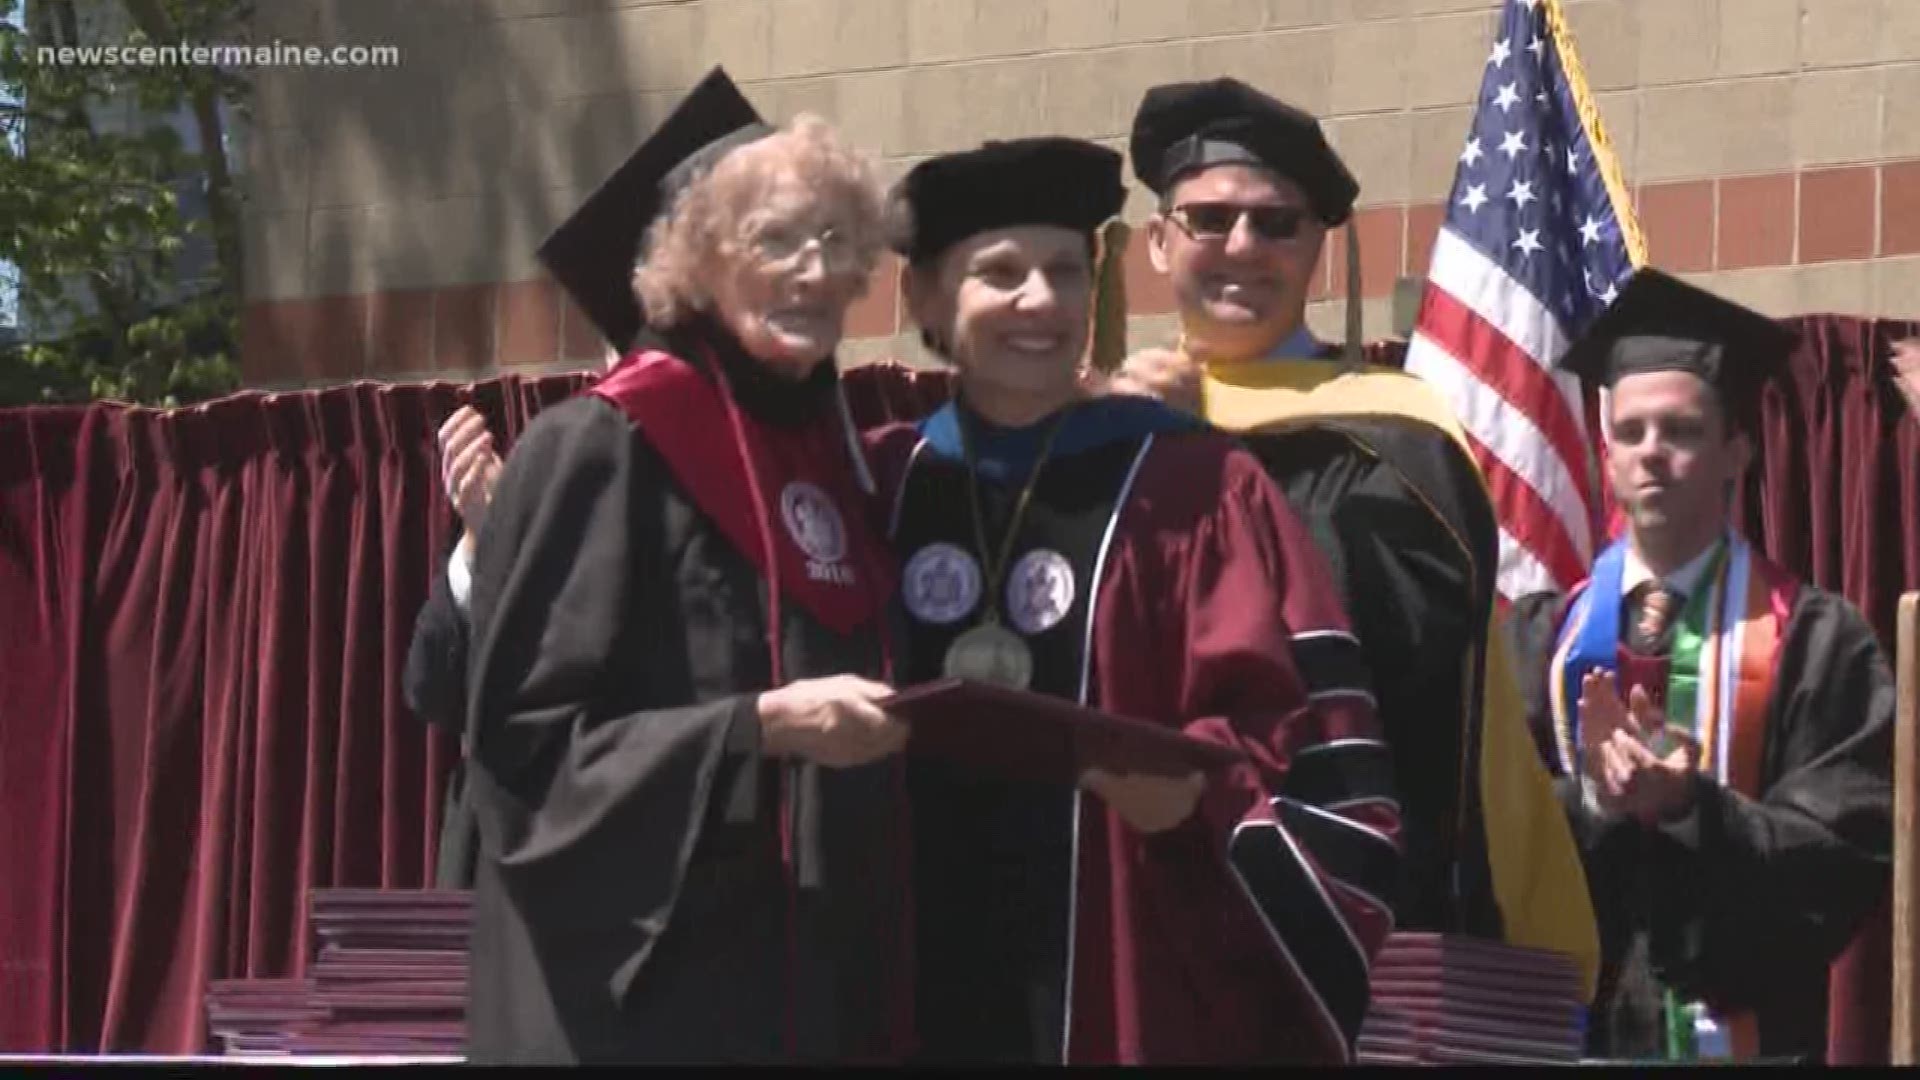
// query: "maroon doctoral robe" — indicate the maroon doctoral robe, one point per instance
point(1244, 934)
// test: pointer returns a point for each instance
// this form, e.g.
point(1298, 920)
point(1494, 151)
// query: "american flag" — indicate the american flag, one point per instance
point(1538, 236)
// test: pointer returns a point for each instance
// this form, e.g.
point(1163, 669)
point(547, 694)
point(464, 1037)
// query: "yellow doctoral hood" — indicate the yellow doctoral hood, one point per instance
point(1538, 879)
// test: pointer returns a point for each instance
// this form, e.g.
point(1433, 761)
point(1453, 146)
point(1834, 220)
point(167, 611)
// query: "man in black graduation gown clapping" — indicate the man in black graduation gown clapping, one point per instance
point(1722, 731)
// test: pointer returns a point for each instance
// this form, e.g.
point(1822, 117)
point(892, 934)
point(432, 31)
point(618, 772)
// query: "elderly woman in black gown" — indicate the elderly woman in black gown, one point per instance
point(690, 845)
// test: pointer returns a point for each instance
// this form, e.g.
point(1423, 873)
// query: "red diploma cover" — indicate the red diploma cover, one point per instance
point(1020, 735)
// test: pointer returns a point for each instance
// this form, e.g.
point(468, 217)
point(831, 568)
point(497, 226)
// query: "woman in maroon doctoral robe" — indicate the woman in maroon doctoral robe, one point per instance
point(1111, 552)
point(688, 799)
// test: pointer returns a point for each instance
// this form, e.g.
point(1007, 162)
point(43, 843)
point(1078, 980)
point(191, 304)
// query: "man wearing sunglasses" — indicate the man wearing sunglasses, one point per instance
point(1241, 244)
point(1375, 463)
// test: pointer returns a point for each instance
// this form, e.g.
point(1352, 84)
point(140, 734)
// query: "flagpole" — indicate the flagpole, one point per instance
point(1603, 155)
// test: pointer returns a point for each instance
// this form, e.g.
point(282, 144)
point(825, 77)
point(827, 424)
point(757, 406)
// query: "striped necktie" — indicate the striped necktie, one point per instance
point(1657, 606)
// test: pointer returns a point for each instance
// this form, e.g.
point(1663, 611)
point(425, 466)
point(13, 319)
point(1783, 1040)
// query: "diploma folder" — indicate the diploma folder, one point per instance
point(1021, 735)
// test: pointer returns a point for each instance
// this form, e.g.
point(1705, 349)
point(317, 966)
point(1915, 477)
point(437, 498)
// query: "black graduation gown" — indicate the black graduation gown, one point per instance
point(434, 685)
point(1399, 512)
point(1374, 462)
point(1745, 903)
point(632, 903)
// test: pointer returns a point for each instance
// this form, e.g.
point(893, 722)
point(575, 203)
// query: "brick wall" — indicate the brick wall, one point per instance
point(394, 212)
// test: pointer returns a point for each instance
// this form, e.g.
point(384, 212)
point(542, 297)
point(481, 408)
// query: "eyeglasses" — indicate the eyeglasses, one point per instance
point(782, 246)
point(1208, 221)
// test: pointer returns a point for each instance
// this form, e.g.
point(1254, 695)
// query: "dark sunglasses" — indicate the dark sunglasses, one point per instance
point(1216, 220)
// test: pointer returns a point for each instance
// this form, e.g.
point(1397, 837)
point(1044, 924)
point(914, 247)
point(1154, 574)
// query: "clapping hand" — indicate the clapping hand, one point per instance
point(1642, 766)
point(469, 467)
point(1906, 372)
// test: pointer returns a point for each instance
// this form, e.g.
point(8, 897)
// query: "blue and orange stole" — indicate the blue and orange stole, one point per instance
point(1720, 676)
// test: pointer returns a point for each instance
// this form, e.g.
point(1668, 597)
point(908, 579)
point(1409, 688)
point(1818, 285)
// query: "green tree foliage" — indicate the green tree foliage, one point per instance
point(92, 173)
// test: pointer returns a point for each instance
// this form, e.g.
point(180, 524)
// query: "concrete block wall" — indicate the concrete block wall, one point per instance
point(394, 212)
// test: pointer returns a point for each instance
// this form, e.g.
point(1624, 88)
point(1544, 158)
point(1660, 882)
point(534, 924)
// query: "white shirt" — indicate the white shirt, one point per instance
point(459, 578)
point(1681, 582)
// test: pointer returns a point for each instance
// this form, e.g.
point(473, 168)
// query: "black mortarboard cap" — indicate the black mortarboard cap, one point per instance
point(592, 253)
point(1071, 183)
point(1661, 323)
point(1181, 127)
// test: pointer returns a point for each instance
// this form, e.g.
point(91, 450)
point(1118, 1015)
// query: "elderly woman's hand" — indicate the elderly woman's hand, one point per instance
point(833, 721)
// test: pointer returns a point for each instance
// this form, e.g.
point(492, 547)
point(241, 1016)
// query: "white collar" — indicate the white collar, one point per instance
point(1682, 581)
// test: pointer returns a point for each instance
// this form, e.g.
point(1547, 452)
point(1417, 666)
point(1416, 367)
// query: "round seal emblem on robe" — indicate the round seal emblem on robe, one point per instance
point(813, 522)
point(1039, 591)
point(941, 584)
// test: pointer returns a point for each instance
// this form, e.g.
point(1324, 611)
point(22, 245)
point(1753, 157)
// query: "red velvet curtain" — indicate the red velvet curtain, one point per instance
point(203, 615)
point(1836, 499)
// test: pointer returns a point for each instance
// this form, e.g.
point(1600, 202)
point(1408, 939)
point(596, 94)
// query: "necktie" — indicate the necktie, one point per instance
point(1658, 606)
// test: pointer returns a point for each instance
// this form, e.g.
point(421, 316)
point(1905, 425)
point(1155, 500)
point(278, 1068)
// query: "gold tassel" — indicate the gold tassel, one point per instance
point(1107, 344)
point(1589, 110)
point(1353, 357)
